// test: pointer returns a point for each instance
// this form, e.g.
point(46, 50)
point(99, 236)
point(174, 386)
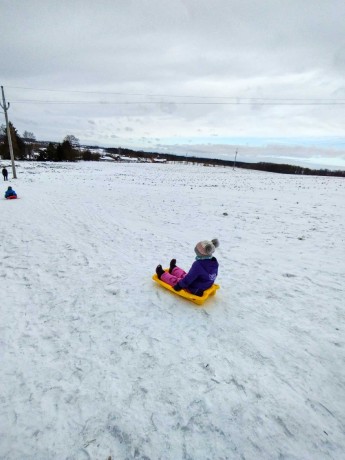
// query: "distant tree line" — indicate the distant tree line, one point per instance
point(270, 167)
point(27, 148)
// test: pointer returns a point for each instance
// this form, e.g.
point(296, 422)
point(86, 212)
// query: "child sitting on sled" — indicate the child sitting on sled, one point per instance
point(201, 275)
point(10, 193)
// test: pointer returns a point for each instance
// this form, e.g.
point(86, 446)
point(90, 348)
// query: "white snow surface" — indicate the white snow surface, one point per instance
point(97, 360)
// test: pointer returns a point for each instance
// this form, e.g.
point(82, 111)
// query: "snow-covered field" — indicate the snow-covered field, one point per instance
point(97, 360)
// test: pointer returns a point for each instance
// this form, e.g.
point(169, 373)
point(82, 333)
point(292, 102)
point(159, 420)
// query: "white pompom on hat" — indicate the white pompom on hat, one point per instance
point(206, 248)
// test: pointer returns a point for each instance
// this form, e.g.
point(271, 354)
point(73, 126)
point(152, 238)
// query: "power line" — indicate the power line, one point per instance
point(255, 102)
point(236, 99)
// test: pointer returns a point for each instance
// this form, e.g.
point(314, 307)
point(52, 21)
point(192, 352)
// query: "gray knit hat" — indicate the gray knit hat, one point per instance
point(206, 248)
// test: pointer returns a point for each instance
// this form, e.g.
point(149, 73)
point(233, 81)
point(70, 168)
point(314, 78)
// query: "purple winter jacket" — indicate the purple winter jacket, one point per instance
point(201, 276)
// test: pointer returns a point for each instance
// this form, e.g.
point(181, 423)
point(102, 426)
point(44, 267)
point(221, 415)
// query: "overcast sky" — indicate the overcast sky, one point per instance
point(186, 76)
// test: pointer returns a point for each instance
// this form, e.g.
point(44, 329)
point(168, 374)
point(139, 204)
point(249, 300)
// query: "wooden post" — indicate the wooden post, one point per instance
point(5, 107)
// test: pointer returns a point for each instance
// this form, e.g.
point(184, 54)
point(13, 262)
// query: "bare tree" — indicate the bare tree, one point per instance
point(74, 141)
point(28, 136)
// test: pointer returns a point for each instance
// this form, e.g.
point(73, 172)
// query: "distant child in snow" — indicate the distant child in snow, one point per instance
point(10, 192)
point(201, 275)
point(5, 173)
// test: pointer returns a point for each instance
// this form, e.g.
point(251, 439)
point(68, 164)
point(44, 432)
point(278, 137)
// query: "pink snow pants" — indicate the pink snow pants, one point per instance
point(174, 277)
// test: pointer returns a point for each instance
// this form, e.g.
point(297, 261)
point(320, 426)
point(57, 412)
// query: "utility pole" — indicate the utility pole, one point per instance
point(5, 108)
point(235, 159)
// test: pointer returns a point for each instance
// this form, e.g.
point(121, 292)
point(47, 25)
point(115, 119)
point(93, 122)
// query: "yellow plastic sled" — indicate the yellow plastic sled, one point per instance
point(187, 295)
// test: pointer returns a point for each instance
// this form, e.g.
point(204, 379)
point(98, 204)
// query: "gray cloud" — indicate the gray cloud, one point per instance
point(158, 55)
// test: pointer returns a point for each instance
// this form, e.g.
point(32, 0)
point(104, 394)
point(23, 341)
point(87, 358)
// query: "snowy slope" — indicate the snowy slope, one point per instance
point(97, 360)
